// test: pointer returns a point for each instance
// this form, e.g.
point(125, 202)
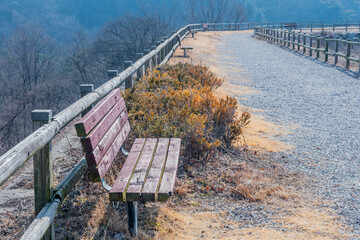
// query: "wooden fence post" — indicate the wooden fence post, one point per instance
point(159, 54)
point(326, 50)
point(140, 71)
point(147, 63)
point(310, 44)
point(85, 89)
point(129, 80)
point(43, 168)
point(311, 28)
point(273, 35)
point(289, 35)
point(298, 41)
point(346, 26)
point(293, 40)
point(334, 27)
point(348, 52)
point(154, 59)
point(317, 47)
point(162, 51)
point(336, 51)
point(304, 47)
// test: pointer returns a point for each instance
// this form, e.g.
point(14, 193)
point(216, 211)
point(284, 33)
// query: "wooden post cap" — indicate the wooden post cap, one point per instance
point(112, 73)
point(41, 115)
point(87, 88)
point(127, 63)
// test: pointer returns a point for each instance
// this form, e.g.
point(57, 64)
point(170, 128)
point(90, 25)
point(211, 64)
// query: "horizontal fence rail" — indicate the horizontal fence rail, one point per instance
point(316, 46)
point(311, 26)
point(42, 137)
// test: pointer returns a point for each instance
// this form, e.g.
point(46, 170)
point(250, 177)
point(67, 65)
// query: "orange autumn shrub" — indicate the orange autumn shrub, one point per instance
point(178, 101)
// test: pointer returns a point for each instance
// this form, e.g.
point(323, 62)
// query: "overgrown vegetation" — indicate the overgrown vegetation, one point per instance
point(178, 101)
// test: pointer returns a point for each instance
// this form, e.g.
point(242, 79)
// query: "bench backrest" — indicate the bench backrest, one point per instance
point(103, 130)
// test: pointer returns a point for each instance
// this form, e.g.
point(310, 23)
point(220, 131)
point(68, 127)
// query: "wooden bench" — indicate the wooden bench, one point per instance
point(205, 26)
point(149, 171)
point(186, 49)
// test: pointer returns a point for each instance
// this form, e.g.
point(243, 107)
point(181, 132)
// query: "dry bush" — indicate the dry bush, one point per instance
point(194, 75)
point(178, 101)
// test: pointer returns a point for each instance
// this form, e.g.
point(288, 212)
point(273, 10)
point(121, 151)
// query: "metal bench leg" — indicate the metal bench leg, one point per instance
point(132, 218)
point(184, 52)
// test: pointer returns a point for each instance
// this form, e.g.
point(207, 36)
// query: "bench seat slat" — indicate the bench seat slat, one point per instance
point(137, 180)
point(94, 157)
point(103, 166)
point(153, 178)
point(89, 121)
point(169, 175)
point(116, 192)
point(90, 142)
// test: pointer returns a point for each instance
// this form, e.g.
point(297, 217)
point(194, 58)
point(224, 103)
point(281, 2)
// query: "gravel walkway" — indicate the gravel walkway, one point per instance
point(322, 101)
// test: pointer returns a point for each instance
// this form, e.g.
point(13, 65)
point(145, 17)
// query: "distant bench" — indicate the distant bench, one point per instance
point(149, 171)
point(186, 48)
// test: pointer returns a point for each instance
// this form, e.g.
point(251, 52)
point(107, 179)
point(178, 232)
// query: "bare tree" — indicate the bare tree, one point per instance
point(30, 54)
point(79, 56)
point(28, 67)
point(122, 38)
point(214, 11)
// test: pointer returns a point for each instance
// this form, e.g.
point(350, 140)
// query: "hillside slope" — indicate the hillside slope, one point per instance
point(61, 17)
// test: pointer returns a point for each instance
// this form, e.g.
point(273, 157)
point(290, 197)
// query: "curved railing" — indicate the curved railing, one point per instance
point(315, 45)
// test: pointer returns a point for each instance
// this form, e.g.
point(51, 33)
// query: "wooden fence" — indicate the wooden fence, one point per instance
point(316, 46)
point(312, 26)
point(48, 198)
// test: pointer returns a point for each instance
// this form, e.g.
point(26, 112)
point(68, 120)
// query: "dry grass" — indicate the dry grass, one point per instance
point(194, 211)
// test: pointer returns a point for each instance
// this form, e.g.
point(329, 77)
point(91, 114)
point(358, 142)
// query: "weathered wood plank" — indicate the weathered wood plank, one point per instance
point(95, 156)
point(153, 178)
point(91, 141)
point(137, 180)
point(122, 181)
point(66, 185)
point(89, 121)
point(99, 172)
point(42, 222)
point(169, 175)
